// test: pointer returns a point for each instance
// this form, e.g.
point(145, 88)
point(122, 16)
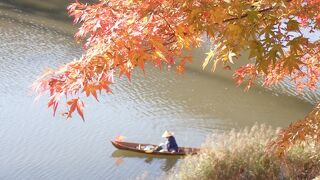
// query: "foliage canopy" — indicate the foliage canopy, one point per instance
point(119, 36)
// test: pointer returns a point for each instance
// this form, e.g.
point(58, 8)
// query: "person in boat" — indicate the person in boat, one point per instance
point(170, 144)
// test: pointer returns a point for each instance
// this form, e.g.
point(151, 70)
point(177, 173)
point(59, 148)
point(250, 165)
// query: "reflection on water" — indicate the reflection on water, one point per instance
point(169, 161)
point(35, 145)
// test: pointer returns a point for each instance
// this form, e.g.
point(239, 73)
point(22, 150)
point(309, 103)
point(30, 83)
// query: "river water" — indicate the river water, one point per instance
point(36, 145)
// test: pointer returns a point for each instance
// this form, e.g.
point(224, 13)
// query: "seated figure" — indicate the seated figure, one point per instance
point(170, 145)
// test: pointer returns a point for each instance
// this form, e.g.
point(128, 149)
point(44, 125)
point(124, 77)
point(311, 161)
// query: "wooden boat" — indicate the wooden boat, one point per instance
point(138, 147)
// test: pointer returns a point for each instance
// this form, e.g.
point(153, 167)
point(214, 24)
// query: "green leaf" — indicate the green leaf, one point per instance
point(253, 15)
point(293, 25)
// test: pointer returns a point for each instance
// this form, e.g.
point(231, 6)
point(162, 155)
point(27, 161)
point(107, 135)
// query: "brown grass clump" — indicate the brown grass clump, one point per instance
point(241, 155)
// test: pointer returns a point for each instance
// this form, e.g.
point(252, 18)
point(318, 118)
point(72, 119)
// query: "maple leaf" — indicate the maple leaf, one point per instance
point(75, 104)
point(180, 69)
point(292, 25)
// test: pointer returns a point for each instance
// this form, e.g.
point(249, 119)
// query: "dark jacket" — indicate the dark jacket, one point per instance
point(172, 144)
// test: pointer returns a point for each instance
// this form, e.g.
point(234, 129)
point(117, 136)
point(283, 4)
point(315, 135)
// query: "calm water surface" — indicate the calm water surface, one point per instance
point(35, 145)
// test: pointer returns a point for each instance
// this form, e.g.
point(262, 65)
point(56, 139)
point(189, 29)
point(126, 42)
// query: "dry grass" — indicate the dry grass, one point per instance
point(241, 155)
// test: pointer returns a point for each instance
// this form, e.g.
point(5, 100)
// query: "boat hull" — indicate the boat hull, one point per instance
point(139, 147)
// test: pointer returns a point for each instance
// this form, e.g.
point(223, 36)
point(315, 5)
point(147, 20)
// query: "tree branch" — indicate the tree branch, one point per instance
point(245, 15)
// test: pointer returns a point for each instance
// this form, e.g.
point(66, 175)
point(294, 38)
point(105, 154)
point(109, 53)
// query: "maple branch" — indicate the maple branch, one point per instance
point(167, 23)
point(123, 45)
point(245, 15)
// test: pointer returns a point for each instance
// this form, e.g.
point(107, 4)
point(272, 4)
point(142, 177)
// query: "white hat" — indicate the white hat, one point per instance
point(167, 134)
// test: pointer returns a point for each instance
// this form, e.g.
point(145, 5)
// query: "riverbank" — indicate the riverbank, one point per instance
point(241, 155)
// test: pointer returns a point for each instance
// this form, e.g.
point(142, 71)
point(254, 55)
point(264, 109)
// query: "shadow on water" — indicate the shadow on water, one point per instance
point(51, 8)
point(121, 155)
point(32, 25)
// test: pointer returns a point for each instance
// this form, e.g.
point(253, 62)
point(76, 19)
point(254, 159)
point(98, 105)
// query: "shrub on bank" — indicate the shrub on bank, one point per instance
point(241, 155)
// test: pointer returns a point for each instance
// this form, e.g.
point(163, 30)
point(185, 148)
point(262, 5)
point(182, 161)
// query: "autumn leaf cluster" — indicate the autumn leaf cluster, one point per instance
point(280, 36)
